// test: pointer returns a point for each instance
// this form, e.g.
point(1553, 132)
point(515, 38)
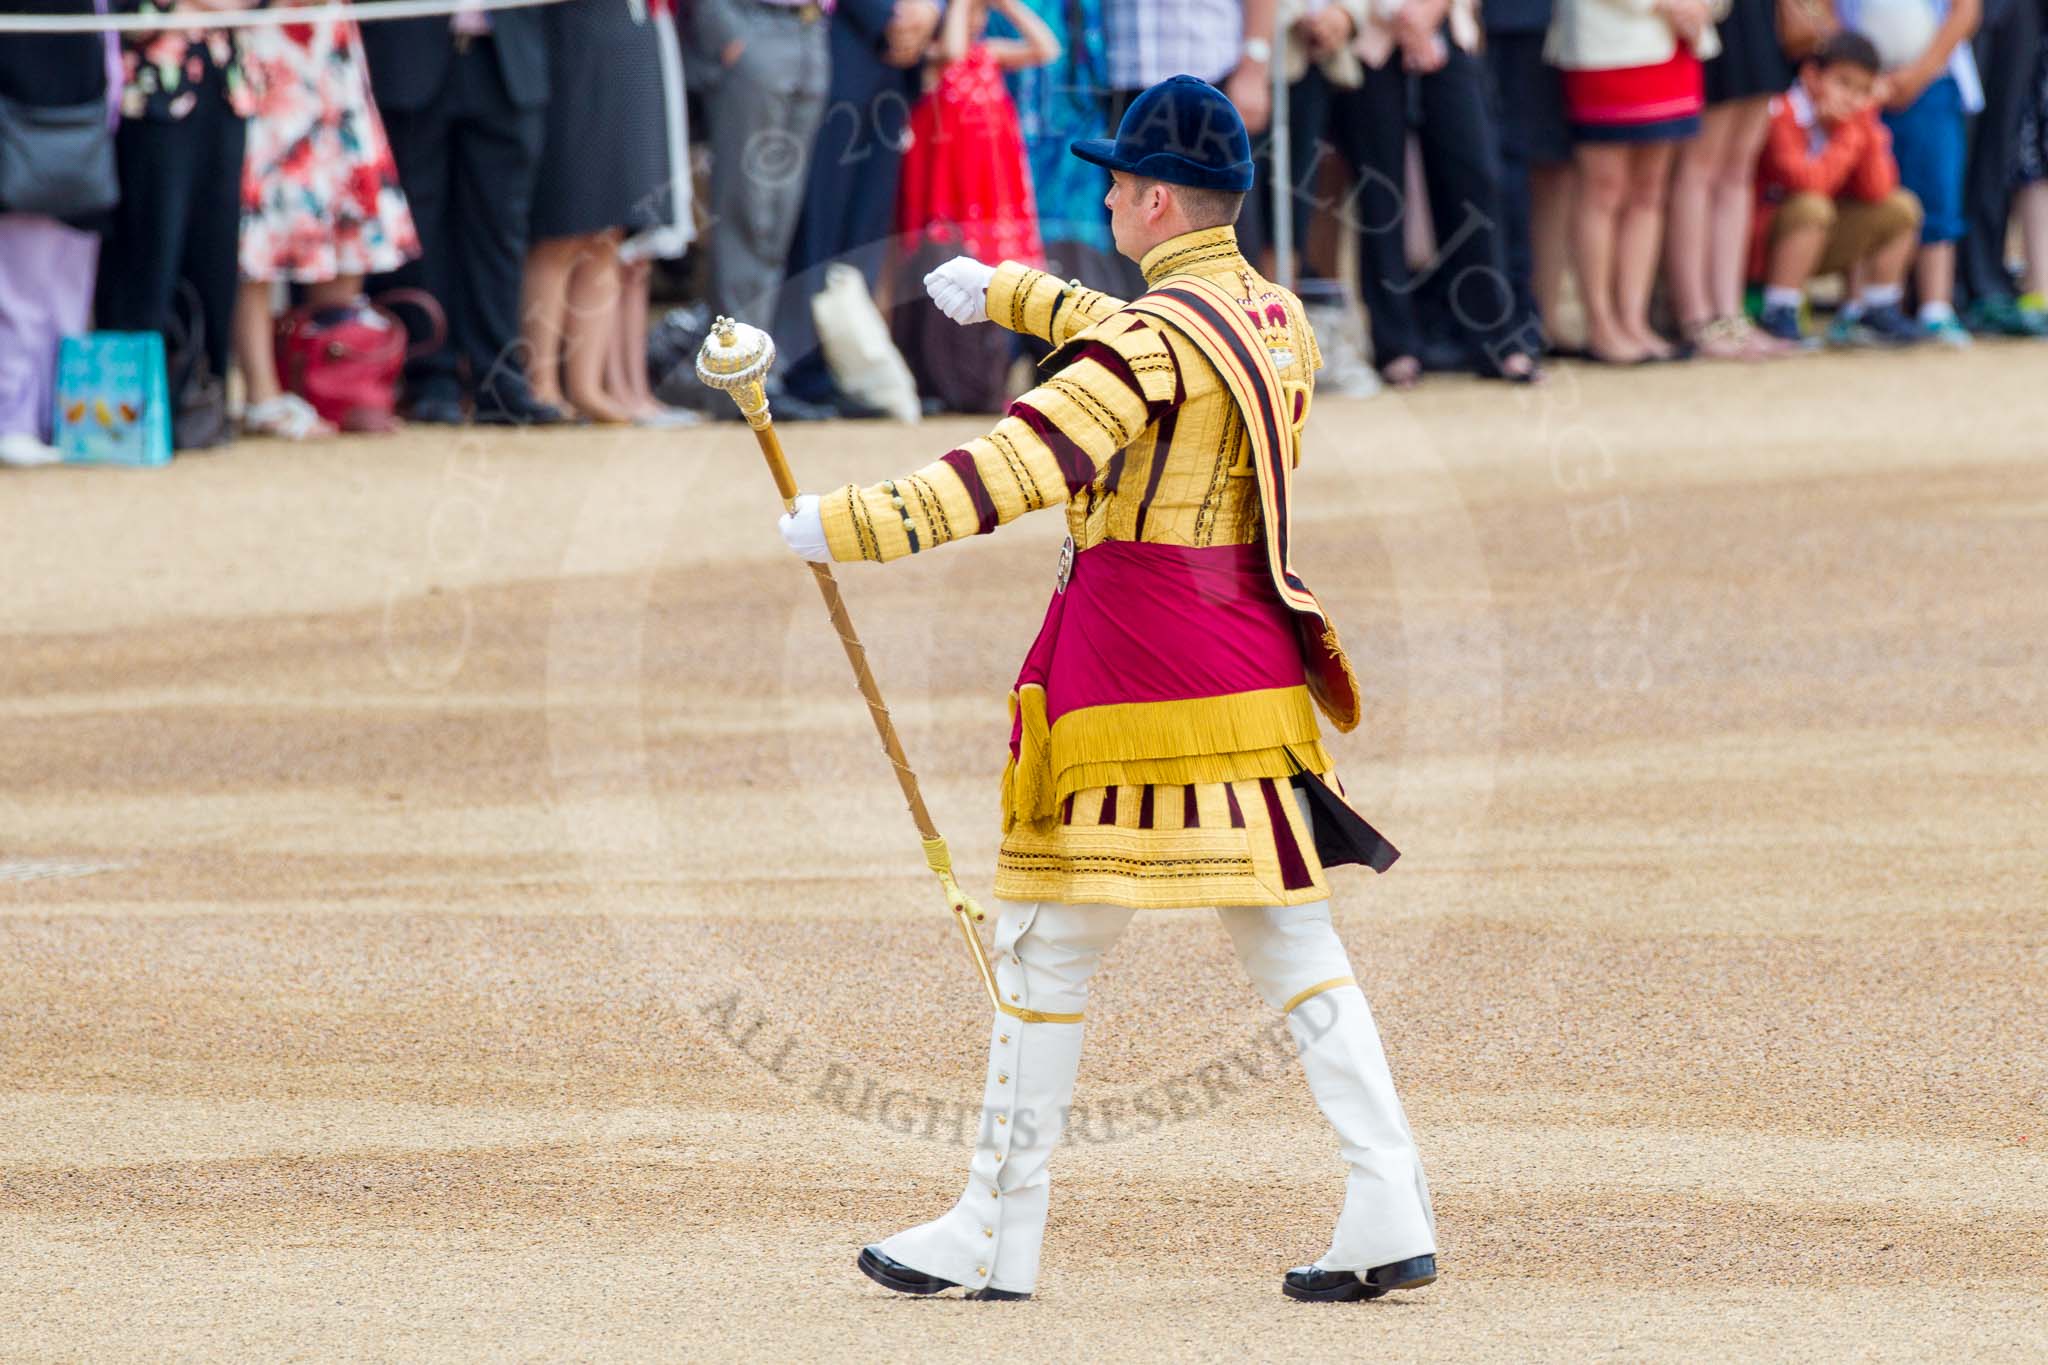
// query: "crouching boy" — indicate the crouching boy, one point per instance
point(1828, 200)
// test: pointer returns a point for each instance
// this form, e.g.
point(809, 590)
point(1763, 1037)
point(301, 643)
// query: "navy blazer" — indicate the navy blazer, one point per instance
point(409, 58)
point(1515, 16)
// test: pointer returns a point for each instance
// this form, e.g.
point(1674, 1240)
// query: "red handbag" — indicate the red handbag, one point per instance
point(347, 362)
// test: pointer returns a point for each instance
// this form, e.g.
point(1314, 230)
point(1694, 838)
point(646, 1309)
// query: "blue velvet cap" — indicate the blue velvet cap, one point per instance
point(1183, 131)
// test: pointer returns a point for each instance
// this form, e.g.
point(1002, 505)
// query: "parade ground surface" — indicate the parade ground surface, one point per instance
point(453, 904)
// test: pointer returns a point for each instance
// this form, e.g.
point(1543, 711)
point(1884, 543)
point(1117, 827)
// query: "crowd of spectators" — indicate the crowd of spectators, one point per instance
point(1622, 182)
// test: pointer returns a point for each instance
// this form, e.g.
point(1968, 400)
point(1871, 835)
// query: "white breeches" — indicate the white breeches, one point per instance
point(1045, 954)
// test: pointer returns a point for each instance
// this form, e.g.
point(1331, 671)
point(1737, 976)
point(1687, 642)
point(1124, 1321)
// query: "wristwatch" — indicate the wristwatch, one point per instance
point(1258, 50)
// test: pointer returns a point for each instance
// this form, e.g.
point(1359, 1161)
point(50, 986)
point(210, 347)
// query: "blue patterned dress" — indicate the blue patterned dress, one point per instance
point(1055, 105)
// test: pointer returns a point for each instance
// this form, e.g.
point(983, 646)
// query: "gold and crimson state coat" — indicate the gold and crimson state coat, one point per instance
point(1140, 440)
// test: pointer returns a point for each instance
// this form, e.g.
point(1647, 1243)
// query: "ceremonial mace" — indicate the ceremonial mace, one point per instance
point(736, 358)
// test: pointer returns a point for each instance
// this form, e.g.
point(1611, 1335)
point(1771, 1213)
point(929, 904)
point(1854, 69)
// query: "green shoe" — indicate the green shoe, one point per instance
point(2004, 318)
point(1849, 332)
point(1949, 332)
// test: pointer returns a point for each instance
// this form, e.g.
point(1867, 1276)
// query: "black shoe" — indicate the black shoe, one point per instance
point(520, 412)
point(893, 1274)
point(1311, 1284)
point(436, 411)
point(1890, 326)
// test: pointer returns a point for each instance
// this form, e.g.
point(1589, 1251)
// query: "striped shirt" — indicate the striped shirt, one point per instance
point(1149, 40)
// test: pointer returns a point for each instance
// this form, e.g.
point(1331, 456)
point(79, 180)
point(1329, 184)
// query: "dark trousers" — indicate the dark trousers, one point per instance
point(1529, 120)
point(2006, 48)
point(1461, 164)
point(180, 217)
point(467, 163)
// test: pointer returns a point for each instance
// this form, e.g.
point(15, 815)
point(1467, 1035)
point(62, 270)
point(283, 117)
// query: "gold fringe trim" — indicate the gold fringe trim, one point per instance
point(1027, 779)
point(1205, 739)
point(1334, 983)
point(1267, 719)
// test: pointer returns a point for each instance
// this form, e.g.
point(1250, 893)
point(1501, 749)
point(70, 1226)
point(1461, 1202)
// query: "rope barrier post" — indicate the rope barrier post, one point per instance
point(1279, 129)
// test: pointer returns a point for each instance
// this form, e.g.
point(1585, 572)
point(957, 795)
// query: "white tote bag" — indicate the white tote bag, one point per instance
point(865, 363)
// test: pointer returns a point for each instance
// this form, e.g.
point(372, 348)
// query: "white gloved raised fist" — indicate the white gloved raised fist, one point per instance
point(960, 289)
point(803, 530)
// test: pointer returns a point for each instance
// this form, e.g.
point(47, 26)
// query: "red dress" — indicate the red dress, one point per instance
point(965, 169)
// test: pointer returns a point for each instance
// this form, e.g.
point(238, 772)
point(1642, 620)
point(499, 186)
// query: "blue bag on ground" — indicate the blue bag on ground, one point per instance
point(113, 400)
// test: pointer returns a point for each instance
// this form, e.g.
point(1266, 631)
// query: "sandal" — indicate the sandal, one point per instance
point(1509, 371)
point(1760, 345)
point(1719, 339)
point(287, 417)
point(1402, 372)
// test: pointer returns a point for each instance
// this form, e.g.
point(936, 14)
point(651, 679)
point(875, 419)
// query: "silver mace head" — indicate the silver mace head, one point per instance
point(735, 356)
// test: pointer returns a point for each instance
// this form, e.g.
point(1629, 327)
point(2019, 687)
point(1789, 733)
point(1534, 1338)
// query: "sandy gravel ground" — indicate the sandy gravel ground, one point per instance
point(451, 905)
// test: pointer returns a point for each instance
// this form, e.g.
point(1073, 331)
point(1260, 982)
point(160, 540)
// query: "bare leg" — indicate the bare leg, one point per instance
point(1603, 191)
point(1935, 272)
point(255, 344)
point(267, 410)
point(1690, 248)
point(617, 384)
point(1638, 241)
point(588, 328)
point(1735, 202)
point(1550, 236)
point(629, 348)
point(548, 265)
point(1887, 264)
point(2032, 205)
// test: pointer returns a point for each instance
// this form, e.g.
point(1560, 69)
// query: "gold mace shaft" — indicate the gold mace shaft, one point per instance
point(736, 358)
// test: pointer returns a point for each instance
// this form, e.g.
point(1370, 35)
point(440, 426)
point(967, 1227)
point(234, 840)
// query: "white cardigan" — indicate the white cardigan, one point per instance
point(1608, 35)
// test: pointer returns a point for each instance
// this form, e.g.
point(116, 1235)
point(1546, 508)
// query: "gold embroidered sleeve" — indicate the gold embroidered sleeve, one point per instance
point(1053, 442)
point(1034, 303)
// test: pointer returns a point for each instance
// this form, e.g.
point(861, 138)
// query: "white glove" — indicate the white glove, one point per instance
point(803, 530)
point(960, 289)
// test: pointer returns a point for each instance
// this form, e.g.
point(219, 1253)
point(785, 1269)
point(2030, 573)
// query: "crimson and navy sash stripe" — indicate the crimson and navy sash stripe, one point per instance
point(1268, 418)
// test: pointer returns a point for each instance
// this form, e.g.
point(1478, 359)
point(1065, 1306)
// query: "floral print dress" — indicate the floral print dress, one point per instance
point(163, 73)
point(320, 191)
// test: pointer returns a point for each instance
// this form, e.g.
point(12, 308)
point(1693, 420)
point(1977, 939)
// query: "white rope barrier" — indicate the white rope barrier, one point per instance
point(367, 12)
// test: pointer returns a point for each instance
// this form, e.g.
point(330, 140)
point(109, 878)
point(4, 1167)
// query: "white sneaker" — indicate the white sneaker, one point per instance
point(1340, 334)
point(23, 451)
point(286, 416)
